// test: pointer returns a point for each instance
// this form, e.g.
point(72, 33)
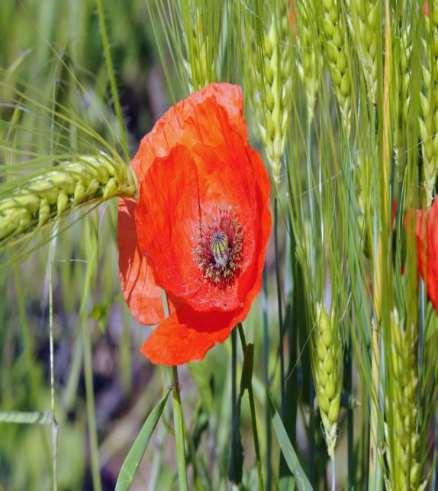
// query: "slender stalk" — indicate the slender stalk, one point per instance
point(268, 427)
point(178, 417)
point(333, 483)
point(382, 287)
point(88, 368)
point(309, 187)
point(253, 418)
point(350, 419)
point(178, 422)
point(91, 411)
point(374, 480)
point(280, 303)
point(235, 468)
point(54, 425)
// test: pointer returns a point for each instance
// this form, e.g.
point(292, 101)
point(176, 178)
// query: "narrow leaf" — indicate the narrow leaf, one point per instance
point(289, 454)
point(129, 467)
point(248, 363)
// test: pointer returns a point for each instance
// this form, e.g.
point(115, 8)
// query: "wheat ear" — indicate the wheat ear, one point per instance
point(309, 48)
point(403, 438)
point(336, 48)
point(273, 87)
point(327, 367)
point(429, 100)
point(38, 200)
point(364, 27)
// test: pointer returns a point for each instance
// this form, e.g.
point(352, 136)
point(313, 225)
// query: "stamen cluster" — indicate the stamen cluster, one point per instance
point(219, 252)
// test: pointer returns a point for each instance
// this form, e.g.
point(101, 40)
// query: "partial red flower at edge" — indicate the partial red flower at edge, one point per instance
point(199, 228)
point(427, 249)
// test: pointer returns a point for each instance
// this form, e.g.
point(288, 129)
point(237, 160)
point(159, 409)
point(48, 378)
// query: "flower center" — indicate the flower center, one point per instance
point(219, 251)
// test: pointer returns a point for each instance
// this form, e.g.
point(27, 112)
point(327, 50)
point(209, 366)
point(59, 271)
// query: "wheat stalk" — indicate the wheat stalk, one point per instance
point(327, 367)
point(38, 200)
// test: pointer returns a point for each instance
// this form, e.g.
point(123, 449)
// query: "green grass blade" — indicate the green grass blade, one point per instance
point(28, 418)
point(289, 454)
point(135, 454)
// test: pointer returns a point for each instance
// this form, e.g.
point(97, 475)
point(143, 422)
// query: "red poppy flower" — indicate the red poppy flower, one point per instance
point(199, 228)
point(427, 246)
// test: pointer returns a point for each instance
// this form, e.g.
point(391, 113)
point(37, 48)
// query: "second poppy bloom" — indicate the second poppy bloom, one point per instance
point(199, 228)
point(427, 249)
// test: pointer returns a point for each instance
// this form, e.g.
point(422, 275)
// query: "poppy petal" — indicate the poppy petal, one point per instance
point(173, 343)
point(141, 293)
point(171, 128)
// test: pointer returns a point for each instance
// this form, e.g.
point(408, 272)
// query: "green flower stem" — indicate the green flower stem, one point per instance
point(253, 418)
point(92, 250)
point(178, 422)
point(236, 451)
point(178, 417)
point(266, 382)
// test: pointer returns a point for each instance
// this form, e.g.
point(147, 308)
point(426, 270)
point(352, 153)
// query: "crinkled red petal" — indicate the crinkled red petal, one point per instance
point(187, 335)
point(173, 343)
point(141, 293)
point(176, 125)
